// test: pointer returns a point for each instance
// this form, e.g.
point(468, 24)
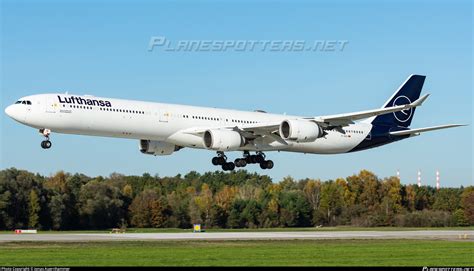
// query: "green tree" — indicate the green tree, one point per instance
point(57, 211)
point(424, 197)
point(294, 209)
point(223, 199)
point(250, 214)
point(101, 205)
point(235, 220)
point(447, 199)
point(34, 209)
point(178, 202)
point(460, 218)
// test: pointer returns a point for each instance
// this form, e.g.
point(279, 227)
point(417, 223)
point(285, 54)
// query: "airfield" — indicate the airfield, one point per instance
point(275, 247)
point(466, 235)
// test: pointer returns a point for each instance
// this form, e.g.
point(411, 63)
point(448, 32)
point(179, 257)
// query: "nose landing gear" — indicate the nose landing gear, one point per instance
point(45, 144)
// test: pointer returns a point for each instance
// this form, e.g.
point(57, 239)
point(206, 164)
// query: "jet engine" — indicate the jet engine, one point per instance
point(157, 147)
point(300, 130)
point(223, 140)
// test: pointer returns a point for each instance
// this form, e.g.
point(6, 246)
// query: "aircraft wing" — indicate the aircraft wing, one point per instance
point(257, 129)
point(270, 129)
point(426, 129)
point(349, 118)
point(249, 131)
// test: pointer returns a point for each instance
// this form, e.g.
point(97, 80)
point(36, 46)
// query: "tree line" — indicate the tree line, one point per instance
point(237, 199)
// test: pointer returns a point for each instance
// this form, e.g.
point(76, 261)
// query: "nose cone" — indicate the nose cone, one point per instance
point(16, 112)
point(9, 111)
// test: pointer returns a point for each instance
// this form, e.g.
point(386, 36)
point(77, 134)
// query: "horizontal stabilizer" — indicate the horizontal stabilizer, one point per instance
point(426, 129)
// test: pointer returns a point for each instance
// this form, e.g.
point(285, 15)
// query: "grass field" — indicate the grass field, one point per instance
point(241, 253)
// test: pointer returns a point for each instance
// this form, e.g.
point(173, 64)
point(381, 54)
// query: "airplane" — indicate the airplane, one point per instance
point(163, 129)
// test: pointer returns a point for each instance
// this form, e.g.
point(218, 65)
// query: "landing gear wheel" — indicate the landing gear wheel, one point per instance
point(269, 164)
point(220, 159)
point(240, 162)
point(266, 164)
point(253, 159)
point(259, 158)
point(46, 144)
point(228, 166)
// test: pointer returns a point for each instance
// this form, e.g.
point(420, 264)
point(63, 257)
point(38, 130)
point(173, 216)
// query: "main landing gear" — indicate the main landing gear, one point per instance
point(45, 144)
point(221, 160)
point(259, 158)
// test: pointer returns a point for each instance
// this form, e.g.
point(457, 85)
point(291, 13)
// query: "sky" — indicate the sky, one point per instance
point(102, 48)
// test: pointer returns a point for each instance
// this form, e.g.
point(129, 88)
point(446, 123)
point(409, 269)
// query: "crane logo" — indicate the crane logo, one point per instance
point(404, 115)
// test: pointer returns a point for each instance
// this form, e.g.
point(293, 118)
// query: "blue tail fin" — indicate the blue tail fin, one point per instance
point(407, 93)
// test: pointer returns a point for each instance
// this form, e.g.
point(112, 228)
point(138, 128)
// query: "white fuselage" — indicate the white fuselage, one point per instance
point(165, 122)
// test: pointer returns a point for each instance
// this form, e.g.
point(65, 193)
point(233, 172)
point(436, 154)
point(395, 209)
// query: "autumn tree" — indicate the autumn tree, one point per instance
point(219, 199)
point(141, 209)
point(392, 200)
point(467, 204)
point(159, 213)
point(332, 201)
point(409, 197)
point(370, 196)
point(201, 206)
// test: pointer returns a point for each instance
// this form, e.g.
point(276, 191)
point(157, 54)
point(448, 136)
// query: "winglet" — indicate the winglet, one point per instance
point(419, 101)
point(407, 94)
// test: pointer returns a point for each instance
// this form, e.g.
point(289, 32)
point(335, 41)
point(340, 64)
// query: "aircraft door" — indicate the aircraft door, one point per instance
point(163, 115)
point(51, 105)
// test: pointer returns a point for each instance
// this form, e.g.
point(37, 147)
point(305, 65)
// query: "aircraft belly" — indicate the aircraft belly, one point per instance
point(333, 143)
point(113, 125)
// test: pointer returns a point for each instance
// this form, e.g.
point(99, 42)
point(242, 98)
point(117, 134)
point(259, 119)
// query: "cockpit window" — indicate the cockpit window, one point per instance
point(23, 102)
